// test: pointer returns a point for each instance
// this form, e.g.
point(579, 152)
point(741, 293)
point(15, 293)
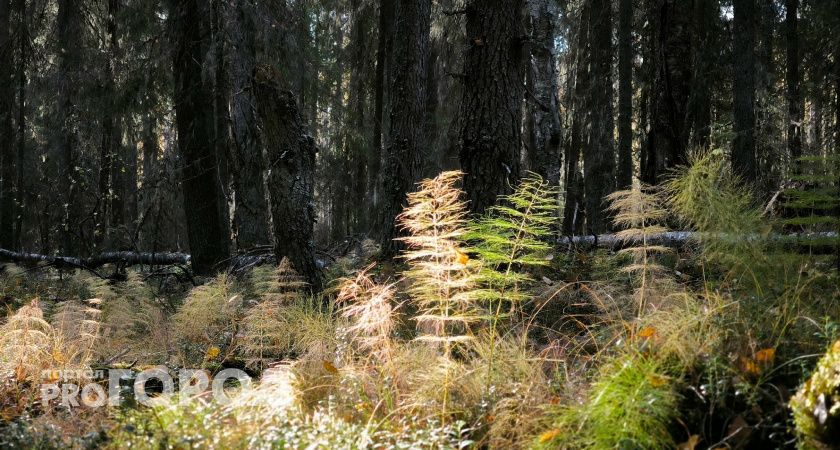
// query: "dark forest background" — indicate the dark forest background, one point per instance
point(219, 127)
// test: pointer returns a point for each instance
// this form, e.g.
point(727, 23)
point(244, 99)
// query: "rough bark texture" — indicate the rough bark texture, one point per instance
point(598, 156)
point(624, 175)
point(221, 107)
point(250, 208)
point(208, 236)
point(406, 107)
point(743, 95)
point(386, 25)
point(69, 32)
point(543, 118)
point(290, 161)
point(667, 66)
point(792, 81)
point(703, 59)
point(491, 110)
point(22, 199)
point(7, 149)
point(578, 88)
point(358, 140)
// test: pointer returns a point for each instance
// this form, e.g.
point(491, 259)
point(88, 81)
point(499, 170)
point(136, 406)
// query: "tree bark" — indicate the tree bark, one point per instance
point(406, 107)
point(290, 161)
point(358, 139)
point(221, 109)
point(7, 149)
point(491, 110)
point(703, 44)
point(743, 145)
point(792, 81)
point(667, 70)
point(386, 25)
point(69, 32)
point(250, 207)
point(544, 131)
point(21, 183)
point(624, 176)
point(598, 157)
point(208, 235)
point(578, 88)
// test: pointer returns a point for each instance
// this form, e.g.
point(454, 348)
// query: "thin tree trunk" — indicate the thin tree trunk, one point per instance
point(743, 145)
point(7, 153)
point(624, 176)
point(386, 25)
point(357, 139)
point(573, 210)
point(703, 60)
point(794, 95)
point(21, 183)
point(208, 235)
point(406, 109)
point(290, 160)
point(598, 157)
point(491, 110)
point(69, 35)
point(668, 70)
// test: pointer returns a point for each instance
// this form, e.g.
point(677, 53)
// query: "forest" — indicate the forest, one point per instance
point(420, 224)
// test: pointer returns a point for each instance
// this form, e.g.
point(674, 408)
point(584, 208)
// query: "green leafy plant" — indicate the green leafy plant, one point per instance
point(632, 404)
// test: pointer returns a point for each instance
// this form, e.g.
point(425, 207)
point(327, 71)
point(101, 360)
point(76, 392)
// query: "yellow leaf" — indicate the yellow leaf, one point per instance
point(765, 356)
point(749, 367)
point(20, 373)
point(330, 367)
point(212, 352)
point(461, 257)
point(549, 435)
point(690, 444)
point(58, 356)
point(647, 332)
point(657, 380)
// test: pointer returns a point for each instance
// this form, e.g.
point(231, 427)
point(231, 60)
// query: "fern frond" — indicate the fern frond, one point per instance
point(511, 240)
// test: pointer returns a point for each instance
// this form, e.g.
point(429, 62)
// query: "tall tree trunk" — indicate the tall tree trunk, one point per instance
point(208, 235)
point(7, 148)
point(250, 208)
point(22, 200)
point(598, 157)
point(69, 34)
point(743, 145)
point(543, 114)
point(667, 66)
point(578, 88)
point(491, 110)
point(406, 107)
point(703, 60)
point(792, 80)
point(624, 176)
point(386, 35)
point(221, 109)
point(112, 169)
point(358, 143)
point(290, 160)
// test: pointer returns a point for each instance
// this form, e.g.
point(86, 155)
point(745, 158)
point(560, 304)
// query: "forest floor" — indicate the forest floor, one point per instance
point(482, 334)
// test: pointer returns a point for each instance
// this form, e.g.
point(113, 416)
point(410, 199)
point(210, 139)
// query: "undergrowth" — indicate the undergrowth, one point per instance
point(485, 333)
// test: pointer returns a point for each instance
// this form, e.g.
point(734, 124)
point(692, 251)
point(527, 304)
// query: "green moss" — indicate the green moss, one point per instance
point(816, 406)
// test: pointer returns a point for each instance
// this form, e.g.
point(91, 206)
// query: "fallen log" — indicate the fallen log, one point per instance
point(680, 238)
point(237, 263)
point(124, 258)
